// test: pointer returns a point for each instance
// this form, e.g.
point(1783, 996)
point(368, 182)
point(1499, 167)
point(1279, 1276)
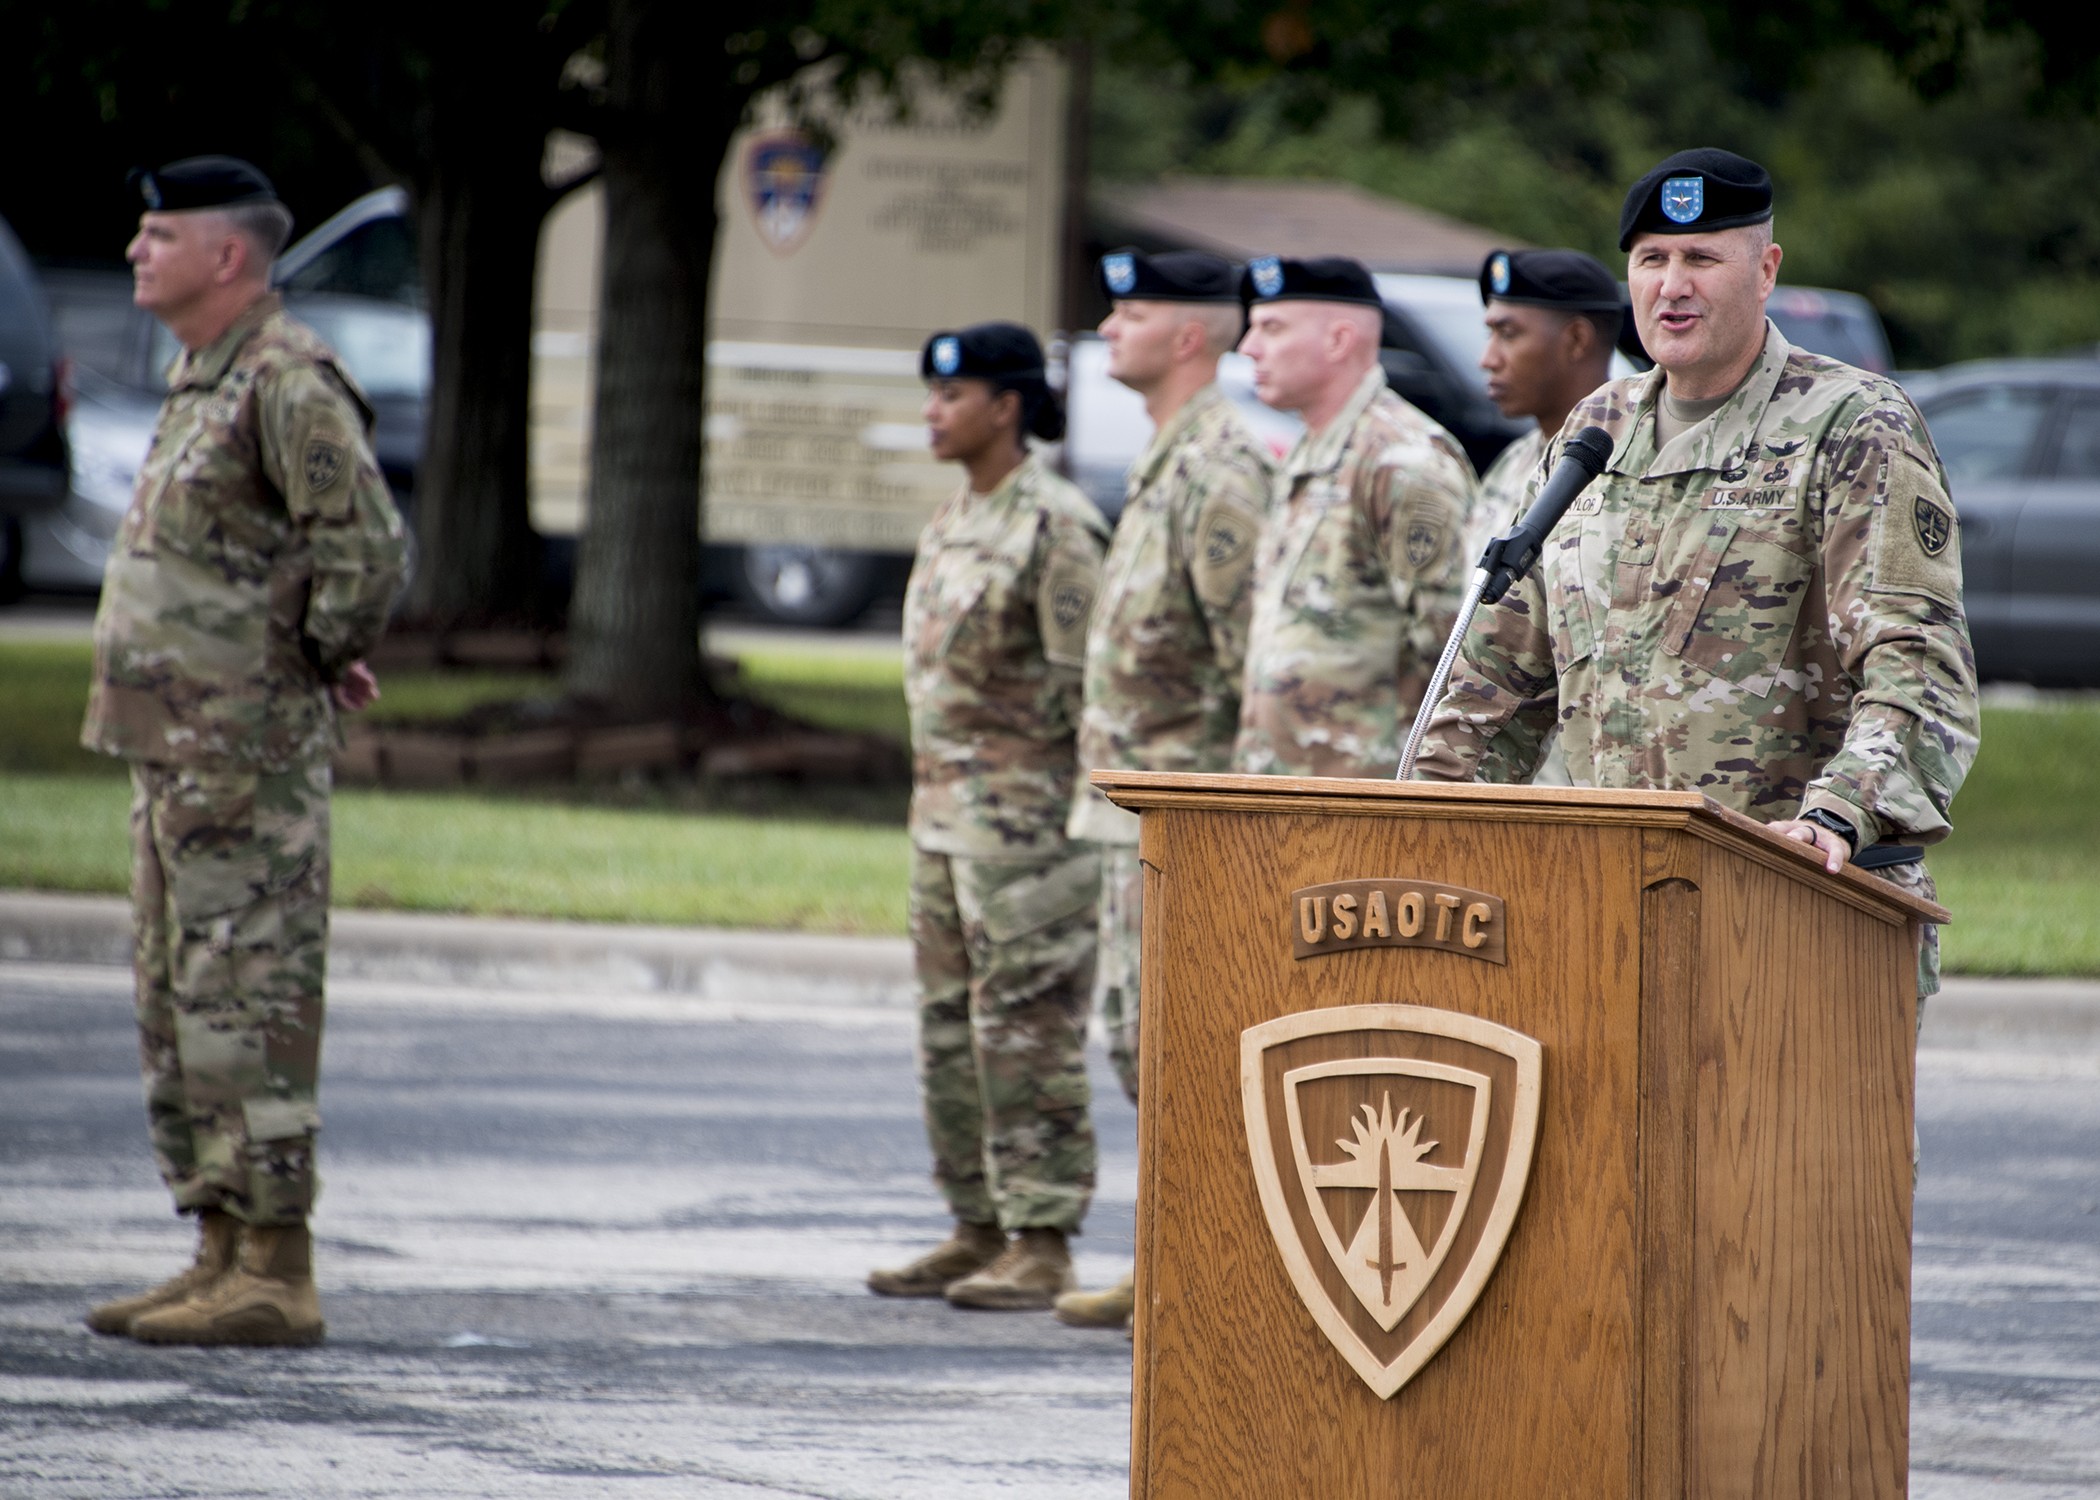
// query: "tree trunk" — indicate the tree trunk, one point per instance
point(634, 623)
point(480, 203)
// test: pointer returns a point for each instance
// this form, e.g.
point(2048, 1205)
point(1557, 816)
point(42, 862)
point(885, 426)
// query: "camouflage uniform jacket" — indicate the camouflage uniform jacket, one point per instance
point(1169, 638)
point(258, 560)
point(995, 621)
point(1502, 491)
point(1768, 611)
point(1356, 585)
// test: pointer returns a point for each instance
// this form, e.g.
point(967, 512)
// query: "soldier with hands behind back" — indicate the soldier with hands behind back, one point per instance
point(1359, 576)
point(254, 570)
point(1002, 903)
point(1169, 640)
point(1760, 598)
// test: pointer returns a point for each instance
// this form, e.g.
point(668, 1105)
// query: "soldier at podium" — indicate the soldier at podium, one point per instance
point(1168, 639)
point(1358, 574)
point(1760, 598)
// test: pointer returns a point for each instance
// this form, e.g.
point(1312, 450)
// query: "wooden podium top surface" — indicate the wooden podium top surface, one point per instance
point(1693, 813)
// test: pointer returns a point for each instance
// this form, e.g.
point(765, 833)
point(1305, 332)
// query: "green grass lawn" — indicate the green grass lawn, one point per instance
point(2022, 872)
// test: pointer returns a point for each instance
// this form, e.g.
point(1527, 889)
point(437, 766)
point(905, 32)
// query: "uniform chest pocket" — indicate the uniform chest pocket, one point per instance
point(1736, 615)
point(1567, 601)
point(213, 509)
point(973, 631)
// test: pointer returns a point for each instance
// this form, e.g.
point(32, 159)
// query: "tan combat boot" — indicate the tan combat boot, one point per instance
point(971, 1248)
point(1109, 1309)
point(268, 1298)
point(1034, 1269)
point(217, 1234)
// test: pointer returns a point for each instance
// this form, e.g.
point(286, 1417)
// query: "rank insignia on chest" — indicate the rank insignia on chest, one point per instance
point(324, 463)
point(1934, 526)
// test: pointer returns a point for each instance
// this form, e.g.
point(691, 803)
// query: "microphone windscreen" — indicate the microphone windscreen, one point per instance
point(1589, 450)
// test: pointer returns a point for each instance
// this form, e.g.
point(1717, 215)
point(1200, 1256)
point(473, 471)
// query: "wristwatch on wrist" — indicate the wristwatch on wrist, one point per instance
point(1830, 820)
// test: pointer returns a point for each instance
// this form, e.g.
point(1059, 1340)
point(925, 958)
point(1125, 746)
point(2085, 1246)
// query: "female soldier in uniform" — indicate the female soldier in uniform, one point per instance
point(1002, 905)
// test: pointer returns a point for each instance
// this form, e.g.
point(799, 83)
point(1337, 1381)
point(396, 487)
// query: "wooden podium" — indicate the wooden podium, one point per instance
point(1513, 1142)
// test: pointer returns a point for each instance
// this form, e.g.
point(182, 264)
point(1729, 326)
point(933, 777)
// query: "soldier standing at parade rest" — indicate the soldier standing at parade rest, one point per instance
point(1760, 597)
point(255, 568)
point(1002, 903)
point(1358, 573)
point(1552, 321)
point(1553, 318)
point(1169, 637)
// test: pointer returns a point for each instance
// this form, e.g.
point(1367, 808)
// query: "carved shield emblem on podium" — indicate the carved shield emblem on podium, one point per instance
point(1391, 1145)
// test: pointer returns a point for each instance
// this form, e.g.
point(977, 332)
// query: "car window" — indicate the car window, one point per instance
point(98, 333)
point(376, 259)
point(384, 346)
point(2078, 454)
point(1987, 433)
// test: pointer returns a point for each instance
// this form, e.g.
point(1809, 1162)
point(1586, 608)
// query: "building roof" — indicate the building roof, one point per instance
point(1247, 216)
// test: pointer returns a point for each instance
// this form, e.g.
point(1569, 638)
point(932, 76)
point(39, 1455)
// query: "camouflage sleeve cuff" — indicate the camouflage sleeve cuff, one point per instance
point(1823, 799)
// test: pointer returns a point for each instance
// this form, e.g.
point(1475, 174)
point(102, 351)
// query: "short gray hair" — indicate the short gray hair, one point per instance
point(266, 226)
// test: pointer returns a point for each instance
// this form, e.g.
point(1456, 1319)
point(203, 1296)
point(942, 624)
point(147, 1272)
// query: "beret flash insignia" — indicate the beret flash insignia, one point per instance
point(1683, 199)
point(1498, 273)
point(1268, 275)
point(947, 355)
point(1120, 272)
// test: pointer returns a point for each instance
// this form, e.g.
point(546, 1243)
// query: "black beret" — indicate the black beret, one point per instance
point(1176, 276)
point(1325, 278)
point(1695, 191)
point(1566, 279)
point(983, 351)
point(201, 182)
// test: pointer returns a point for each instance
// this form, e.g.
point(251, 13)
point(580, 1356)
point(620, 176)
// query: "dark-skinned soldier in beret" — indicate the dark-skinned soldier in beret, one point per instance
point(1359, 574)
point(1002, 900)
point(1552, 321)
point(1760, 597)
point(254, 570)
point(1169, 640)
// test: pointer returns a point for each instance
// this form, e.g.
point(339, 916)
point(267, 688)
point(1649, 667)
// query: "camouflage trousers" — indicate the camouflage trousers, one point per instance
point(1005, 960)
point(1916, 880)
point(1116, 974)
point(229, 896)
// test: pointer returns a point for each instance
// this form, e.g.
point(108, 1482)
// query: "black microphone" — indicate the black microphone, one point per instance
point(1510, 556)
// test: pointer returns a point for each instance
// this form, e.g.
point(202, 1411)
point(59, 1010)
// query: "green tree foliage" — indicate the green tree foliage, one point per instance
point(1944, 173)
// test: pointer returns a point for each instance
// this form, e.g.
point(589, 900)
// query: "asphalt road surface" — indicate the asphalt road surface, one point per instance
point(612, 1246)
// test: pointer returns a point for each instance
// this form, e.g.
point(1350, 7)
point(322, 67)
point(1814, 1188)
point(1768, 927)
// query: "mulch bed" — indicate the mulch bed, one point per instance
point(571, 739)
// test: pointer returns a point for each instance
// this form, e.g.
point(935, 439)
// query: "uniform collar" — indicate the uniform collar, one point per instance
point(1193, 410)
point(207, 366)
point(1317, 454)
point(1723, 440)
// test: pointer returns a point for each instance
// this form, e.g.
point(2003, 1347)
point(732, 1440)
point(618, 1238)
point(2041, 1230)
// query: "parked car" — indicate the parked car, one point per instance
point(118, 356)
point(34, 461)
point(2021, 442)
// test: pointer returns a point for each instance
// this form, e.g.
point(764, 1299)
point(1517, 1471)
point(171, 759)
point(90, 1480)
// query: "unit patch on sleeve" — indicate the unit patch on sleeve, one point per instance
point(1917, 545)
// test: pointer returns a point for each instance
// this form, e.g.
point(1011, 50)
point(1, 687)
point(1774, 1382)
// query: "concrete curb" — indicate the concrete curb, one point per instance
point(501, 952)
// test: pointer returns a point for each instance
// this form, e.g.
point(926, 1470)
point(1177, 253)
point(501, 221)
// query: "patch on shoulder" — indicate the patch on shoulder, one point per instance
point(1916, 545)
point(1064, 608)
point(1224, 552)
point(1425, 539)
point(324, 462)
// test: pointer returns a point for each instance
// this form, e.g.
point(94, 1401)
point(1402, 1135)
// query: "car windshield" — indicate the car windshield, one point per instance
point(384, 346)
point(1448, 308)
